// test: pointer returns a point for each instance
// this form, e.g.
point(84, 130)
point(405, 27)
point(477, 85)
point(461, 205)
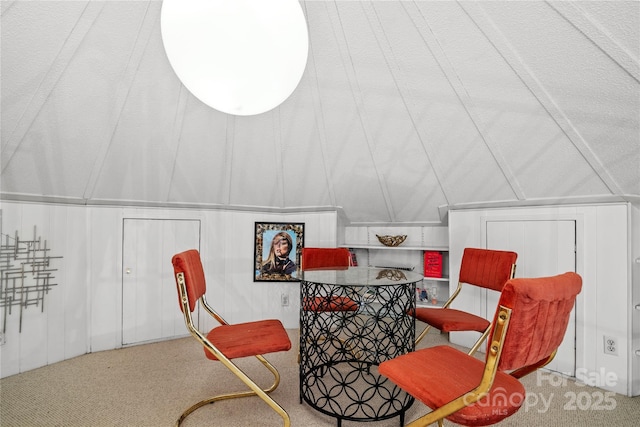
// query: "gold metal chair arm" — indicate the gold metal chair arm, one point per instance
point(488, 376)
point(211, 311)
point(423, 334)
point(426, 330)
point(453, 296)
point(479, 342)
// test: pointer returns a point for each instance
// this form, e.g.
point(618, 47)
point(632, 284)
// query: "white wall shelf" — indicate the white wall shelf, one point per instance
point(408, 256)
point(396, 248)
point(442, 283)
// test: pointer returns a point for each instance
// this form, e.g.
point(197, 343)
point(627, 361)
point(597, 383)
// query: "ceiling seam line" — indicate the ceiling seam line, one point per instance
point(399, 88)
point(47, 85)
point(466, 101)
point(321, 125)
point(537, 89)
point(229, 136)
point(314, 87)
point(122, 95)
point(364, 121)
point(277, 140)
point(51, 86)
point(599, 37)
point(176, 134)
point(6, 5)
point(357, 97)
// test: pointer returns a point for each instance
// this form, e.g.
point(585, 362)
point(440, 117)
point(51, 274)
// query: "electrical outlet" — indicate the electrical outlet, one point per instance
point(284, 300)
point(610, 345)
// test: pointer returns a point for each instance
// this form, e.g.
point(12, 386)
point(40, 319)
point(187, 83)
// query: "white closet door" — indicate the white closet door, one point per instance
point(545, 248)
point(150, 309)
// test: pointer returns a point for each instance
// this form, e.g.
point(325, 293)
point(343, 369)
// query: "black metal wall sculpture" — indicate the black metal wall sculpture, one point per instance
point(25, 274)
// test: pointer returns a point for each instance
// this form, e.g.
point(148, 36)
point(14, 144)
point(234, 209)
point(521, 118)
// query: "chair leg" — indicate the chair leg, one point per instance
point(423, 334)
point(256, 391)
point(483, 337)
point(424, 422)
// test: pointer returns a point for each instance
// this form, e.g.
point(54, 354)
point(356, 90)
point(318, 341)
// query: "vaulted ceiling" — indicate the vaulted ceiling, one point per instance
point(405, 107)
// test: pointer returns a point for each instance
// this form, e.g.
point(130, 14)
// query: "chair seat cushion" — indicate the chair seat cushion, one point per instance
point(438, 375)
point(450, 319)
point(329, 303)
point(249, 339)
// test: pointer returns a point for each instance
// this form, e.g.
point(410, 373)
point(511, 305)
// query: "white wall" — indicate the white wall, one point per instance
point(604, 259)
point(634, 298)
point(83, 313)
point(60, 331)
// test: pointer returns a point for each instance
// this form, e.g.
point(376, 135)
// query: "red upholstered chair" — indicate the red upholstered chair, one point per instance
point(325, 305)
point(529, 325)
point(327, 259)
point(484, 268)
point(226, 342)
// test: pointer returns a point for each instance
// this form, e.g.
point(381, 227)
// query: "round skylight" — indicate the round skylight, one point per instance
point(241, 57)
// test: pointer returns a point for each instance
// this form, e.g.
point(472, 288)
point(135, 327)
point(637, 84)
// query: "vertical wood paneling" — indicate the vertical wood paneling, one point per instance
point(10, 351)
point(602, 237)
point(213, 248)
point(34, 325)
point(178, 236)
point(150, 304)
point(545, 248)
point(235, 301)
point(634, 298)
point(84, 312)
point(59, 329)
point(612, 294)
point(67, 309)
point(54, 309)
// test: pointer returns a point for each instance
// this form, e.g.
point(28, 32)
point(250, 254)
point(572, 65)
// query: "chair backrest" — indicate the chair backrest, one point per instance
point(540, 312)
point(189, 264)
point(325, 258)
point(487, 268)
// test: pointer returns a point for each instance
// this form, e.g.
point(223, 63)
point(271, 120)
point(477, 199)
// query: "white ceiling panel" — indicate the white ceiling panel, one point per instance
point(405, 108)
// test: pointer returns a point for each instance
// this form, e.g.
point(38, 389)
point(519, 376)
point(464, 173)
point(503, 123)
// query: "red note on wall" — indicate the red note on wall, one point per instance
point(432, 264)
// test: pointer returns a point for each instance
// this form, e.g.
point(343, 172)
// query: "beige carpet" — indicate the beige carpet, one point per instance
point(150, 385)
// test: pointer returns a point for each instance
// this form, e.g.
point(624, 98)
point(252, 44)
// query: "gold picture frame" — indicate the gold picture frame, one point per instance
point(277, 251)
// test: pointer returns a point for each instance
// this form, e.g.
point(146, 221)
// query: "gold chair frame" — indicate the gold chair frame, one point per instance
point(256, 390)
point(453, 296)
point(525, 306)
point(488, 376)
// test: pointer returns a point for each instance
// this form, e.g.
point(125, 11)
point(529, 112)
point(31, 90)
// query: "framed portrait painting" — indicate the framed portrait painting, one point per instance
point(278, 248)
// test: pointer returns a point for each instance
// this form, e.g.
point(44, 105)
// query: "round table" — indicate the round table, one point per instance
point(340, 349)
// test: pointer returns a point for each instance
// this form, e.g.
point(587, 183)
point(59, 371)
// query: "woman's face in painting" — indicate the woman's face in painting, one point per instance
point(281, 246)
